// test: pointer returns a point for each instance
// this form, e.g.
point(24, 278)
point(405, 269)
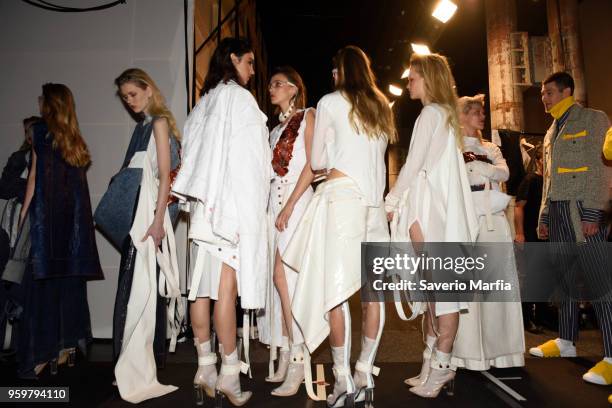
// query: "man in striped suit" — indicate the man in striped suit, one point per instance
point(574, 205)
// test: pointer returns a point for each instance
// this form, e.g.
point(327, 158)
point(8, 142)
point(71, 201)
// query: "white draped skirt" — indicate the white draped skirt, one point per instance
point(325, 252)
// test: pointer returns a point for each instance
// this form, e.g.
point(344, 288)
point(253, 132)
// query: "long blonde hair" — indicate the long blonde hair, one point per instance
point(439, 87)
point(370, 111)
point(157, 105)
point(59, 113)
point(466, 103)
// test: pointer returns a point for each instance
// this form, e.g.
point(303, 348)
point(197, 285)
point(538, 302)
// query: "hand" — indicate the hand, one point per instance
point(520, 238)
point(543, 231)
point(390, 216)
point(589, 228)
point(156, 232)
point(283, 217)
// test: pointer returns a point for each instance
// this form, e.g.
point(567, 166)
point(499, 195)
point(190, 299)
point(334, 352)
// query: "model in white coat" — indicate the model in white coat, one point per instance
point(491, 334)
point(352, 128)
point(290, 193)
point(225, 174)
point(433, 192)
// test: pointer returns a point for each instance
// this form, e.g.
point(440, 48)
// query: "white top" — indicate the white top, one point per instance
point(428, 142)
point(479, 172)
point(433, 187)
point(336, 145)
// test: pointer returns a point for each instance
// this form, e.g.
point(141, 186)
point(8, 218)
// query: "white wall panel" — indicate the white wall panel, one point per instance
point(86, 51)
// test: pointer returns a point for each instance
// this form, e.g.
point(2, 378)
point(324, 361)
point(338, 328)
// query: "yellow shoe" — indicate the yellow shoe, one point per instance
point(600, 374)
point(551, 349)
point(610, 398)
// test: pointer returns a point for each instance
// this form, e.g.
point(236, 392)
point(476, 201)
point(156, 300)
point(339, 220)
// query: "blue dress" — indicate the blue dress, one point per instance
point(64, 257)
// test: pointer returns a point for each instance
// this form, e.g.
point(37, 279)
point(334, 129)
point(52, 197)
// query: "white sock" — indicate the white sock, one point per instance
point(564, 344)
point(443, 358)
point(232, 357)
point(608, 360)
point(430, 343)
point(367, 345)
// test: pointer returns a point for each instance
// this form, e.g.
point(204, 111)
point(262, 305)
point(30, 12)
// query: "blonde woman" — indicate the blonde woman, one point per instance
point(291, 142)
point(434, 172)
point(55, 318)
point(139, 321)
point(491, 334)
point(352, 128)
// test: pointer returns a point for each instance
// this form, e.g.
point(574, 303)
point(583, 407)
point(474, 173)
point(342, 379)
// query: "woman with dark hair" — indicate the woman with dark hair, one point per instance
point(64, 256)
point(291, 142)
point(140, 317)
point(352, 128)
point(225, 176)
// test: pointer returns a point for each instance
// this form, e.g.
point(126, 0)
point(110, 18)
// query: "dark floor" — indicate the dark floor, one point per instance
point(543, 383)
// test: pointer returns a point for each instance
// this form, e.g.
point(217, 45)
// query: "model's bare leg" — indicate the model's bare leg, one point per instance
point(228, 382)
point(206, 377)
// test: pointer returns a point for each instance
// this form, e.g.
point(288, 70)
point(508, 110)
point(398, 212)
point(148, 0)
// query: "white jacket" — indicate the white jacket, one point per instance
point(226, 166)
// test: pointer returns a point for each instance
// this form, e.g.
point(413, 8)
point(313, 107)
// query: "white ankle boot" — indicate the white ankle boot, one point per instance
point(228, 381)
point(442, 375)
point(425, 367)
point(206, 376)
point(295, 373)
point(343, 394)
point(283, 364)
point(364, 369)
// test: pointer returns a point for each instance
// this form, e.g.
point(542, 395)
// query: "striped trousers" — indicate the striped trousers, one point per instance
point(591, 261)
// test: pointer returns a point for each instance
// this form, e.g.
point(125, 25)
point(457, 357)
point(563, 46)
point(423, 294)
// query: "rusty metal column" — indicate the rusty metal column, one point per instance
point(566, 45)
point(506, 99)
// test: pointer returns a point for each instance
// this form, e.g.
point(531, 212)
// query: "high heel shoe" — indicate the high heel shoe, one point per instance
point(283, 365)
point(295, 374)
point(442, 375)
point(67, 356)
point(228, 382)
point(425, 369)
point(343, 394)
point(364, 383)
point(206, 377)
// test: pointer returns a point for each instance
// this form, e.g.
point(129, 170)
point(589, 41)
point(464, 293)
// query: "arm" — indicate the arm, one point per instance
point(423, 131)
point(519, 216)
point(322, 131)
point(162, 145)
point(306, 176)
point(29, 188)
point(498, 170)
point(596, 199)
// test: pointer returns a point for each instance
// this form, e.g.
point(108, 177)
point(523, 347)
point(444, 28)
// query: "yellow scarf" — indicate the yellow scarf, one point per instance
point(560, 108)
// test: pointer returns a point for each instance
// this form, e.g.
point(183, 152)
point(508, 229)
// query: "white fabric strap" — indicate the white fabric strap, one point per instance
point(198, 271)
point(487, 203)
point(364, 367)
point(320, 395)
point(208, 359)
point(231, 369)
point(169, 286)
point(246, 325)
